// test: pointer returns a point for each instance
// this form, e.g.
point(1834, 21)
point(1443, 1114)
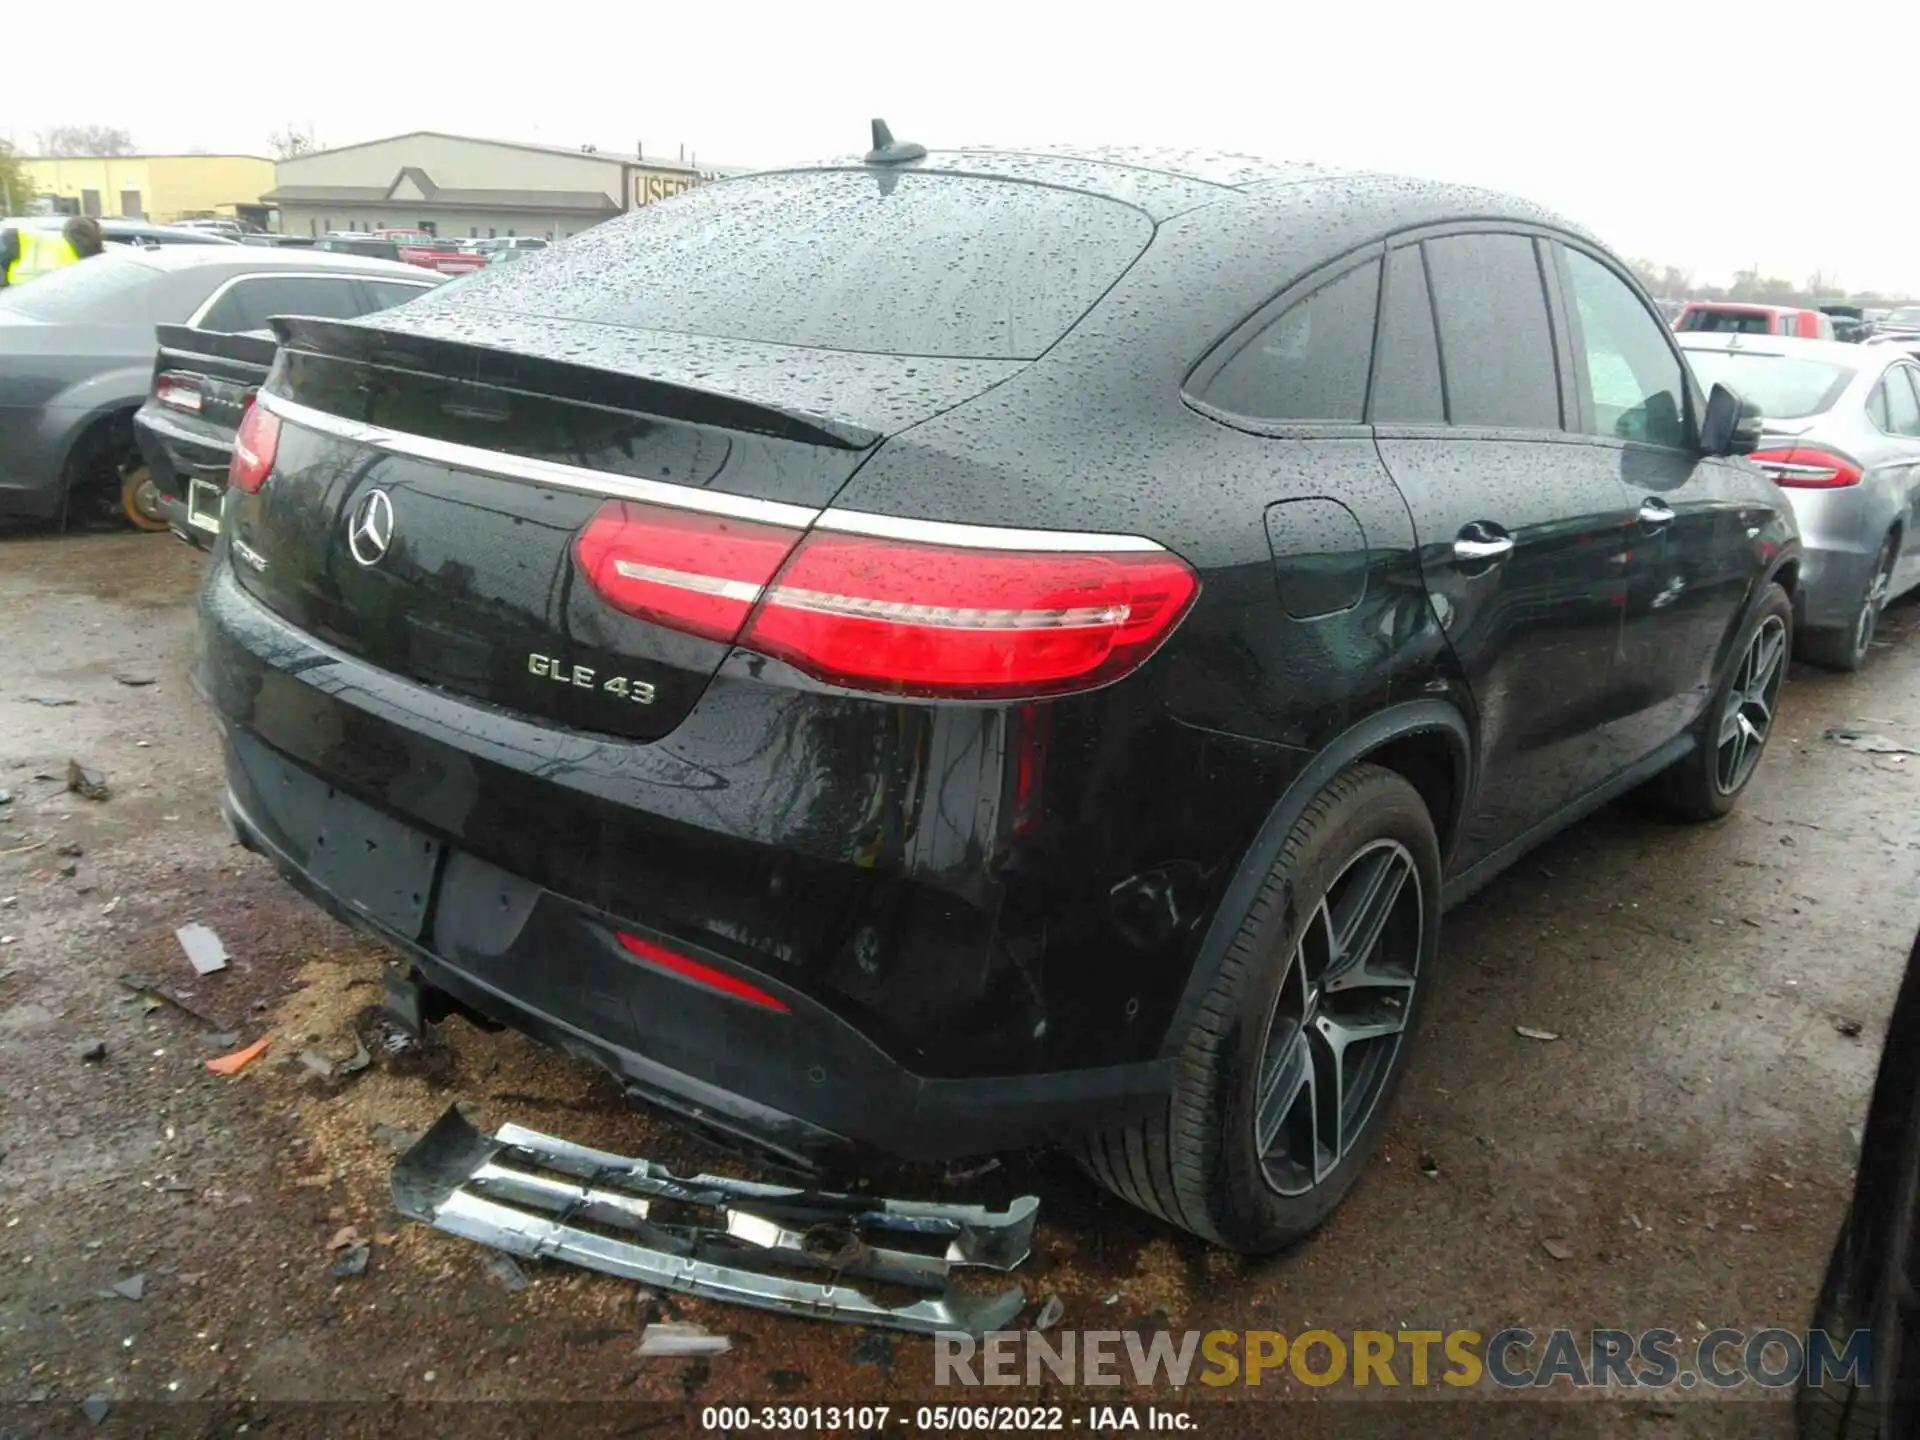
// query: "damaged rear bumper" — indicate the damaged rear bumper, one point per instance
point(774, 1248)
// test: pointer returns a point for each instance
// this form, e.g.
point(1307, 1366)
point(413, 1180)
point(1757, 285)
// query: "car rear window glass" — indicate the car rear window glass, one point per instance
point(254, 300)
point(387, 293)
point(1406, 374)
point(1311, 362)
point(890, 263)
point(110, 288)
point(1784, 388)
point(1496, 343)
point(1727, 322)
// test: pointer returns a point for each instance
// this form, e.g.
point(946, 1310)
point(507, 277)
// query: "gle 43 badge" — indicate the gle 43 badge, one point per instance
point(585, 677)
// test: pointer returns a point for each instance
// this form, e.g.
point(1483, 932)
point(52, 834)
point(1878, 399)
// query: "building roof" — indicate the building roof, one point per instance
point(612, 157)
point(158, 155)
point(423, 193)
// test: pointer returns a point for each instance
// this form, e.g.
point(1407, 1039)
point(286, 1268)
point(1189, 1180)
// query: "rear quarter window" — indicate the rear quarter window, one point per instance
point(898, 264)
point(1308, 364)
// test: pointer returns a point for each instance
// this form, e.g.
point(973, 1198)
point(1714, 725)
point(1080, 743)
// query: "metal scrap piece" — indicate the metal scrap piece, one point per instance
point(537, 1196)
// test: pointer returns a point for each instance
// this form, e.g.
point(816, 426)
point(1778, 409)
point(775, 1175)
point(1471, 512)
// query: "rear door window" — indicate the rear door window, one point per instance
point(1496, 342)
point(1636, 387)
point(892, 263)
point(254, 300)
point(1310, 364)
point(1406, 361)
point(1903, 407)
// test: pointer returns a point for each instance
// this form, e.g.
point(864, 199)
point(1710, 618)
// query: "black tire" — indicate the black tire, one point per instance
point(1847, 650)
point(1196, 1163)
point(1699, 786)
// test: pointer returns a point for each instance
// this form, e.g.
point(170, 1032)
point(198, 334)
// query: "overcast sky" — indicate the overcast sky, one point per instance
point(1697, 132)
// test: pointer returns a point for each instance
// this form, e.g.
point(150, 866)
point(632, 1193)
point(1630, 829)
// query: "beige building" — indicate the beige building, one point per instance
point(153, 187)
point(464, 188)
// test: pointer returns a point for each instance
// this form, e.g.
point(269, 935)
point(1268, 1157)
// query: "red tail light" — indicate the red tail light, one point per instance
point(892, 616)
point(687, 969)
point(1809, 467)
point(179, 392)
point(254, 447)
point(701, 574)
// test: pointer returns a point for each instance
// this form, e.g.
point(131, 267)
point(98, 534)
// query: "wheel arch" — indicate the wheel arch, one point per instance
point(1427, 742)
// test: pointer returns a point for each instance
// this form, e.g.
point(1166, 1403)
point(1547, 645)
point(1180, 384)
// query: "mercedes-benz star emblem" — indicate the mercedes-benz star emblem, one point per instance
point(370, 528)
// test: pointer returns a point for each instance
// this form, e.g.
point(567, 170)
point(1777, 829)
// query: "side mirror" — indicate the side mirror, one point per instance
point(1732, 426)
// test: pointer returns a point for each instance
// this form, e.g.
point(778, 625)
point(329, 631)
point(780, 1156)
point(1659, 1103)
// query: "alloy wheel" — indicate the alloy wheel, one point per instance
point(1749, 711)
point(1339, 1019)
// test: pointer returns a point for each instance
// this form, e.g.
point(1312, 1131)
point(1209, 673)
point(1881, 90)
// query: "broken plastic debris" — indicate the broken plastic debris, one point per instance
point(672, 1338)
point(204, 951)
point(1051, 1310)
point(537, 1196)
point(87, 784)
point(505, 1271)
point(239, 1060)
point(1528, 1032)
point(1558, 1249)
point(1867, 741)
point(352, 1262)
point(134, 1287)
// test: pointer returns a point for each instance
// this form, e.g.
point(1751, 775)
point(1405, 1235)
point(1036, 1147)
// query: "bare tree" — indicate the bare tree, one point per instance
point(85, 140)
point(16, 186)
point(291, 140)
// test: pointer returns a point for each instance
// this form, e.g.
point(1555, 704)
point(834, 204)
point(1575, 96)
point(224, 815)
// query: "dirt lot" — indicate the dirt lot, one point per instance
point(1686, 1144)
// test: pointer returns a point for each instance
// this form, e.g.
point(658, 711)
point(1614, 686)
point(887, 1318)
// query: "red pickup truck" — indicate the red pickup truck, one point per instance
point(418, 247)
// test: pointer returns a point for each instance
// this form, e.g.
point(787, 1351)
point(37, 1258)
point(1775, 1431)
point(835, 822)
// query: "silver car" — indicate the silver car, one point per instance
point(1842, 438)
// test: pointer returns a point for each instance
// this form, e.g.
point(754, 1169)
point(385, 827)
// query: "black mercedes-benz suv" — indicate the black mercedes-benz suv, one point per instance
point(936, 652)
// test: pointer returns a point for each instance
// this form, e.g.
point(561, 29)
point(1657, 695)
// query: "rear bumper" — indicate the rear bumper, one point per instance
point(948, 993)
point(176, 457)
point(803, 1089)
point(1832, 583)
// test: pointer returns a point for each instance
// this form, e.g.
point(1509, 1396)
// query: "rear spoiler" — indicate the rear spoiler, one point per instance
point(254, 350)
point(560, 380)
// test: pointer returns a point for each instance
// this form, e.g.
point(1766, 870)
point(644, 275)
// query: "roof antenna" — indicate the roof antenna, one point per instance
point(889, 151)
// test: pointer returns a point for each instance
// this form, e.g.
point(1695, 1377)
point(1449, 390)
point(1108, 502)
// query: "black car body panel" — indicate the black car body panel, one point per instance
point(999, 910)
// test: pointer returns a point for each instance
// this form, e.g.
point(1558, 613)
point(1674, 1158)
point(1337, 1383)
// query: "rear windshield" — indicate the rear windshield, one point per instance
point(1784, 388)
point(894, 264)
point(1905, 315)
point(1728, 322)
point(106, 289)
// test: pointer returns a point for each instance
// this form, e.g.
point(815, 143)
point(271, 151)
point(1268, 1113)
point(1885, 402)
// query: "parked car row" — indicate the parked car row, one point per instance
point(77, 353)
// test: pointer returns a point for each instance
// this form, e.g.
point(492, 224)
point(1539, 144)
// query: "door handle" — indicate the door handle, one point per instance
point(1655, 514)
point(1479, 542)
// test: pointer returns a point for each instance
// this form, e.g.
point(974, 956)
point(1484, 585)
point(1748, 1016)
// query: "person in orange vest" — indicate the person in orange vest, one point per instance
point(26, 254)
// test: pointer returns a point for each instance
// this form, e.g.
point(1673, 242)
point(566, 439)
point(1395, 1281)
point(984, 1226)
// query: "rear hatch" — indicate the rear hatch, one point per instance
point(496, 470)
point(455, 484)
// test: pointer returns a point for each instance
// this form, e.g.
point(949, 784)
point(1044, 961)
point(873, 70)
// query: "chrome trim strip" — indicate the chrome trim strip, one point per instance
point(977, 537)
point(687, 497)
point(540, 472)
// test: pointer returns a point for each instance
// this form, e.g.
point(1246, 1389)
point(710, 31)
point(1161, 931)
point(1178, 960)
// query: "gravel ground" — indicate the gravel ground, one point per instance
point(1678, 1157)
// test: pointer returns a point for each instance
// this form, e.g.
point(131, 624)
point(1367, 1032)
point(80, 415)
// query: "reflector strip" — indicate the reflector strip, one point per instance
point(706, 975)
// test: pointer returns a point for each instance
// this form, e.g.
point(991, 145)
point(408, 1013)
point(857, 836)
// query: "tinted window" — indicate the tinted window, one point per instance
point(387, 293)
point(1634, 380)
point(1311, 362)
point(252, 302)
point(1903, 408)
point(895, 263)
point(1495, 341)
point(1728, 322)
point(1406, 370)
point(107, 289)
